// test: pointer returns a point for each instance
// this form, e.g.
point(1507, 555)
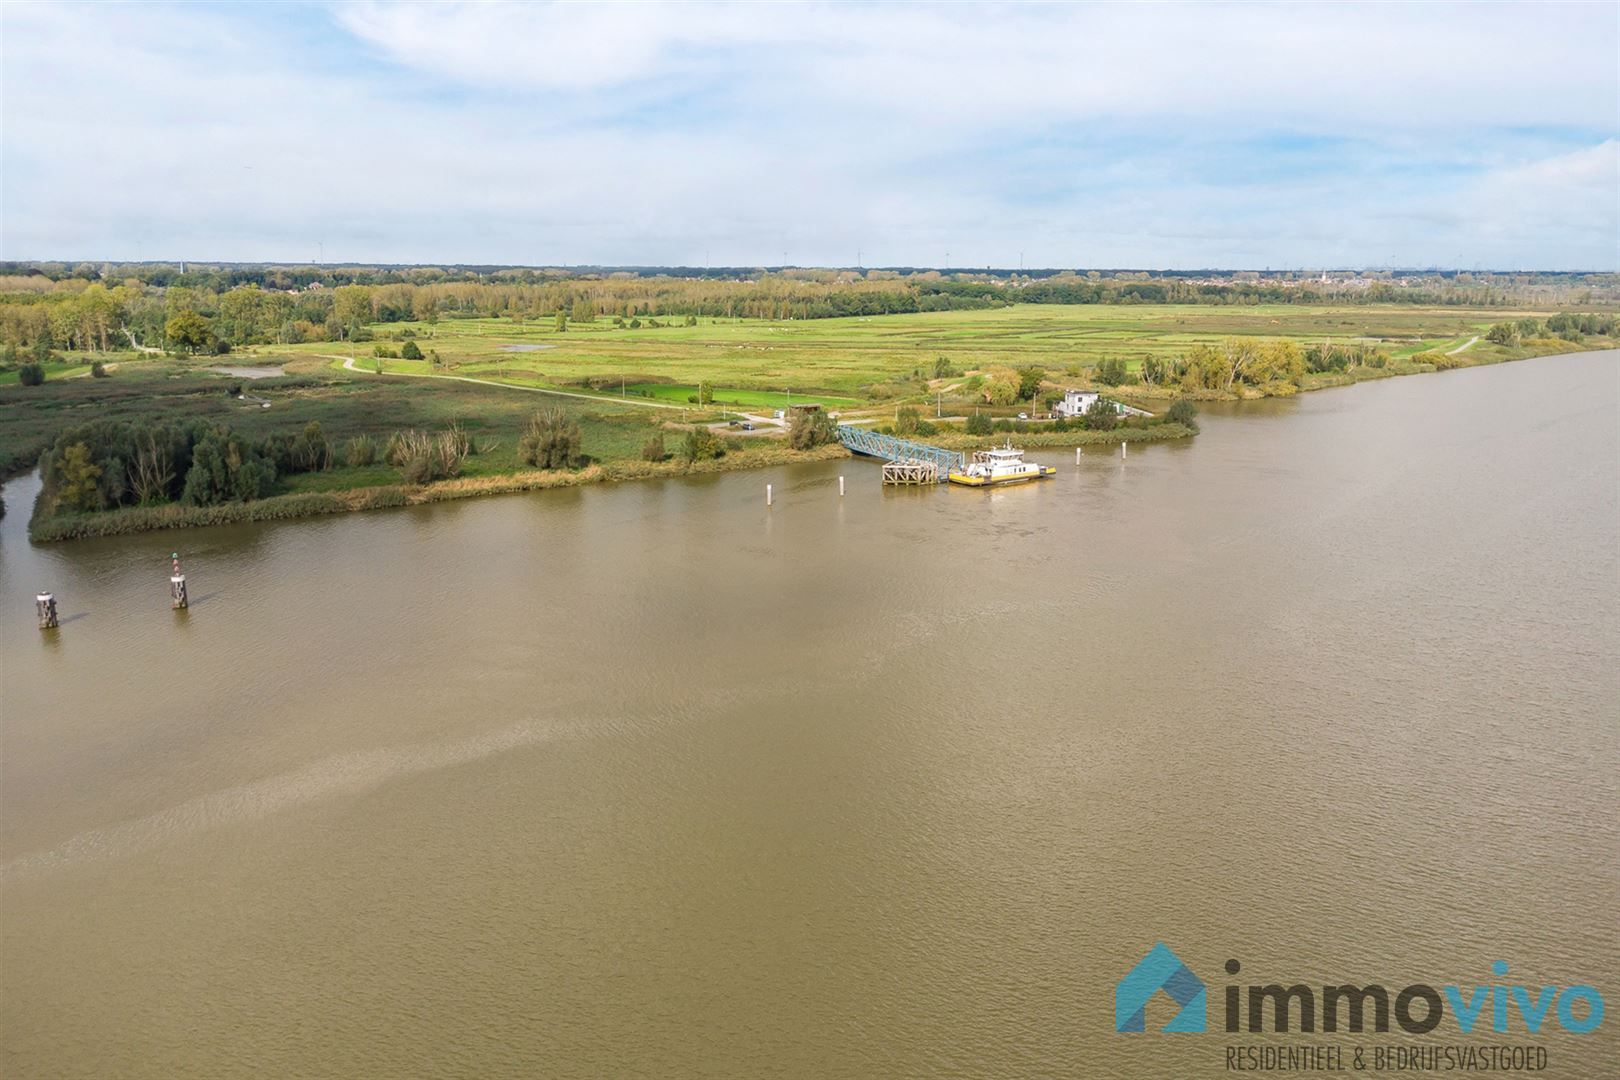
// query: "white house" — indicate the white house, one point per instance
point(1077, 402)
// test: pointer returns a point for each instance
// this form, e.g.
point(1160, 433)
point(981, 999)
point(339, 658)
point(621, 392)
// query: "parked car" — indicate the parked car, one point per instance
point(1023, 416)
point(746, 426)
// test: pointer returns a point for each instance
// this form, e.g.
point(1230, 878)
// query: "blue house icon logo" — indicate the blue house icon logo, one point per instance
point(1160, 969)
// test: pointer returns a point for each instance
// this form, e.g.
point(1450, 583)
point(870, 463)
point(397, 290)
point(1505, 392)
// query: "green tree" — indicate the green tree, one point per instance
point(905, 420)
point(188, 330)
point(654, 449)
point(705, 394)
point(411, 351)
point(31, 374)
point(79, 488)
point(809, 428)
point(1001, 386)
point(584, 311)
point(562, 322)
point(1182, 411)
point(979, 424)
point(1029, 382)
point(1112, 372)
point(351, 306)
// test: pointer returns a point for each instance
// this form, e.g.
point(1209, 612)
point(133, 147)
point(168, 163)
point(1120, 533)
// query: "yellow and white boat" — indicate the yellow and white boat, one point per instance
point(1003, 465)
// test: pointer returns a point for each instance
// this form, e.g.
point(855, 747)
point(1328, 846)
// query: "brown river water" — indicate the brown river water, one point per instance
point(651, 780)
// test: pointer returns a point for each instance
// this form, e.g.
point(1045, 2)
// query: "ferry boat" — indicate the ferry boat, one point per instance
point(1003, 465)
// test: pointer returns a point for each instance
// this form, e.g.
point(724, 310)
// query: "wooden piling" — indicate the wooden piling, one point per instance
point(910, 471)
point(45, 608)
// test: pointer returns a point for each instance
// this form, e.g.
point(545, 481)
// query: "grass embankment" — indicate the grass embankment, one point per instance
point(312, 504)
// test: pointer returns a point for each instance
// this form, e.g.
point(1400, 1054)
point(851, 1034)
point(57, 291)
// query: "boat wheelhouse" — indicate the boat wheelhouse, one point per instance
point(1002, 465)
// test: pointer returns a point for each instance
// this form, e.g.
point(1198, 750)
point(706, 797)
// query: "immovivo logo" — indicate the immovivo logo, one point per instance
point(1416, 1009)
point(1160, 969)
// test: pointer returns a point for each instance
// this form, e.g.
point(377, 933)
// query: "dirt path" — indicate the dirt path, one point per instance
point(1465, 346)
point(349, 365)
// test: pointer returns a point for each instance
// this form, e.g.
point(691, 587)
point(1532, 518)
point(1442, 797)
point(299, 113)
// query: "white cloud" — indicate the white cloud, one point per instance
point(1114, 135)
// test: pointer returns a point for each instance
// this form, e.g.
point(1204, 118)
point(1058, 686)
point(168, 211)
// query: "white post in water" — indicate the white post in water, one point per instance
point(840, 487)
point(767, 494)
point(1124, 449)
point(1077, 455)
point(45, 608)
point(177, 585)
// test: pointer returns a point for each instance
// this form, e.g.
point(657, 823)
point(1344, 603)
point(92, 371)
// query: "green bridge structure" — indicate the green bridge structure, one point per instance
point(890, 448)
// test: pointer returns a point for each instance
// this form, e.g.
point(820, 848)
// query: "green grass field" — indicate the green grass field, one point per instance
point(840, 361)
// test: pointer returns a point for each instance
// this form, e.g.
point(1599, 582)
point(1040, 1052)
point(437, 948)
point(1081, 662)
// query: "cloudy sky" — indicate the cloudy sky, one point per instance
point(1063, 135)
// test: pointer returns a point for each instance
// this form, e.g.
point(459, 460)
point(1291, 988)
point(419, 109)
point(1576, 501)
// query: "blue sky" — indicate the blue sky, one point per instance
point(1157, 136)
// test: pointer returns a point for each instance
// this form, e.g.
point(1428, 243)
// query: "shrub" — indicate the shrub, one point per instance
point(809, 428)
point(551, 441)
point(906, 420)
point(31, 374)
point(978, 424)
point(701, 444)
point(1102, 416)
point(396, 452)
point(1004, 425)
point(411, 351)
point(654, 449)
point(1182, 411)
point(425, 457)
point(362, 450)
point(98, 370)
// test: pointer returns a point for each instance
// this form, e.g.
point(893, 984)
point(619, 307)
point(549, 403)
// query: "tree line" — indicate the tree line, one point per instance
point(215, 312)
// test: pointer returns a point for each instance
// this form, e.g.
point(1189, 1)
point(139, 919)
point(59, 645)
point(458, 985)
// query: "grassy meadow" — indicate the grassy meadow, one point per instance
point(845, 361)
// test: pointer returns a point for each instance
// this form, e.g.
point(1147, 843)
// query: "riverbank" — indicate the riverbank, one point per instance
point(353, 405)
point(1035, 439)
point(134, 519)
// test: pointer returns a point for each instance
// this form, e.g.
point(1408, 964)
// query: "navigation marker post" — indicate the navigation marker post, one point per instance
point(767, 494)
point(177, 585)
